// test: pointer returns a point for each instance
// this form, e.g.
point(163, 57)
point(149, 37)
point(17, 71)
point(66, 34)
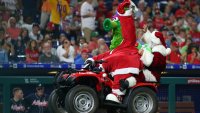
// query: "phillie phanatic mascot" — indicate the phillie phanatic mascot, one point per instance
point(123, 61)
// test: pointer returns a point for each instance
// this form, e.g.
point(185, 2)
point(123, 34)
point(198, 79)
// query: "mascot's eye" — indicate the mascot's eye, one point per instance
point(116, 19)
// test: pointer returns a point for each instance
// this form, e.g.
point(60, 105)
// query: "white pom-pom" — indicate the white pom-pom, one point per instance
point(168, 51)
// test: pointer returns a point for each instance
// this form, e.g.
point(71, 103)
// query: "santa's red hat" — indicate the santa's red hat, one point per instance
point(157, 38)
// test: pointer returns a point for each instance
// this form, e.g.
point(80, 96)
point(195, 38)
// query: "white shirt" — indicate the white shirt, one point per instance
point(61, 51)
point(87, 22)
point(35, 37)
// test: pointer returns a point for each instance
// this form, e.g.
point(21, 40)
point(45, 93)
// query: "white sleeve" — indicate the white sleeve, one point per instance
point(69, 59)
point(83, 10)
point(147, 58)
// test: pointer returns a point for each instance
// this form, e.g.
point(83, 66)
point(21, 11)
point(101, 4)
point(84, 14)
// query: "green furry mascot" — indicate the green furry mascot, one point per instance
point(113, 25)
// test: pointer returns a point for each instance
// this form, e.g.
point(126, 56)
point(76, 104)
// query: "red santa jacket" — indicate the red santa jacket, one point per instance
point(152, 70)
point(123, 59)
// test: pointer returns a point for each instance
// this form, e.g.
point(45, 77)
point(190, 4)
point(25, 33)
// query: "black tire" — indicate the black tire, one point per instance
point(142, 100)
point(54, 104)
point(81, 99)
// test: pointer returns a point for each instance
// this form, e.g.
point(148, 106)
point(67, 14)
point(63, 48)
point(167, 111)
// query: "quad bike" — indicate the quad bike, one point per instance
point(85, 90)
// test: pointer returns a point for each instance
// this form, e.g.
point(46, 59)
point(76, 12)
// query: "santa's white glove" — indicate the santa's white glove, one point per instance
point(90, 62)
point(133, 5)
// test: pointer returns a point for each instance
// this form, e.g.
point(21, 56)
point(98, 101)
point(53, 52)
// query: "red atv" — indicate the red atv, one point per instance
point(85, 90)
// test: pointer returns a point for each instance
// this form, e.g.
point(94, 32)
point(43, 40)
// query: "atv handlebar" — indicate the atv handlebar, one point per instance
point(91, 65)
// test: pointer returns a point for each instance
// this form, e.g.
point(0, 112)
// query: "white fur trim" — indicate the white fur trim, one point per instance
point(147, 37)
point(154, 39)
point(101, 66)
point(168, 51)
point(147, 58)
point(127, 13)
point(125, 71)
point(161, 49)
point(149, 77)
point(112, 97)
point(118, 92)
point(132, 81)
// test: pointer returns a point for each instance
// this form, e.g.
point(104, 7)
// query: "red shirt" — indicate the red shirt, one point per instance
point(13, 32)
point(195, 37)
point(180, 13)
point(196, 60)
point(158, 23)
point(175, 57)
point(33, 55)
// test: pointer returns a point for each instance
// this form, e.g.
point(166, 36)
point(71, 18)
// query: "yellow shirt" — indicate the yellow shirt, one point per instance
point(60, 8)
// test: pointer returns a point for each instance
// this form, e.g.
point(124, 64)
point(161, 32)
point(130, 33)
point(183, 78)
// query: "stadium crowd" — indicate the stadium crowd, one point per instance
point(51, 31)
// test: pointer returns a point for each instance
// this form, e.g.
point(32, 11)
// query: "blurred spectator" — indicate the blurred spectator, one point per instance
point(17, 102)
point(158, 21)
point(12, 5)
point(72, 25)
point(83, 58)
point(65, 52)
point(193, 56)
point(93, 44)
point(175, 56)
point(82, 41)
point(38, 101)
point(45, 13)
point(12, 29)
point(47, 56)
point(184, 49)
point(87, 19)
point(101, 9)
point(182, 11)
point(3, 54)
point(35, 33)
point(30, 9)
point(59, 10)
point(28, 24)
point(47, 38)
point(24, 37)
point(32, 53)
point(181, 37)
point(20, 51)
point(9, 50)
point(102, 47)
point(170, 35)
point(142, 4)
point(2, 34)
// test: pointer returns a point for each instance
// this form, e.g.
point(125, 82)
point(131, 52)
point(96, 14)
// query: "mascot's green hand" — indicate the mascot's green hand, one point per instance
point(145, 46)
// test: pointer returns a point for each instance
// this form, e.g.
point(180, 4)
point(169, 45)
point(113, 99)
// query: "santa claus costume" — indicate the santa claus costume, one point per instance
point(154, 62)
point(123, 61)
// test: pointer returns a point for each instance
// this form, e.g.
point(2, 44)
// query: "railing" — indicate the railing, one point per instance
point(8, 81)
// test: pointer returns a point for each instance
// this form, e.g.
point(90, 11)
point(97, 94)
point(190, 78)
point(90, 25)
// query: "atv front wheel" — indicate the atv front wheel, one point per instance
point(81, 99)
point(55, 103)
point(142, 100)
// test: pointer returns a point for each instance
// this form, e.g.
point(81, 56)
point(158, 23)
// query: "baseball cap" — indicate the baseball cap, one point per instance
point(39, 85)
point(36, 25)
point(94, 34)
point(85, 51)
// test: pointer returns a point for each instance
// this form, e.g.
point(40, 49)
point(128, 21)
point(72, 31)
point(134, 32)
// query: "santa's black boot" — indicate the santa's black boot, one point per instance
point(124, 84)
